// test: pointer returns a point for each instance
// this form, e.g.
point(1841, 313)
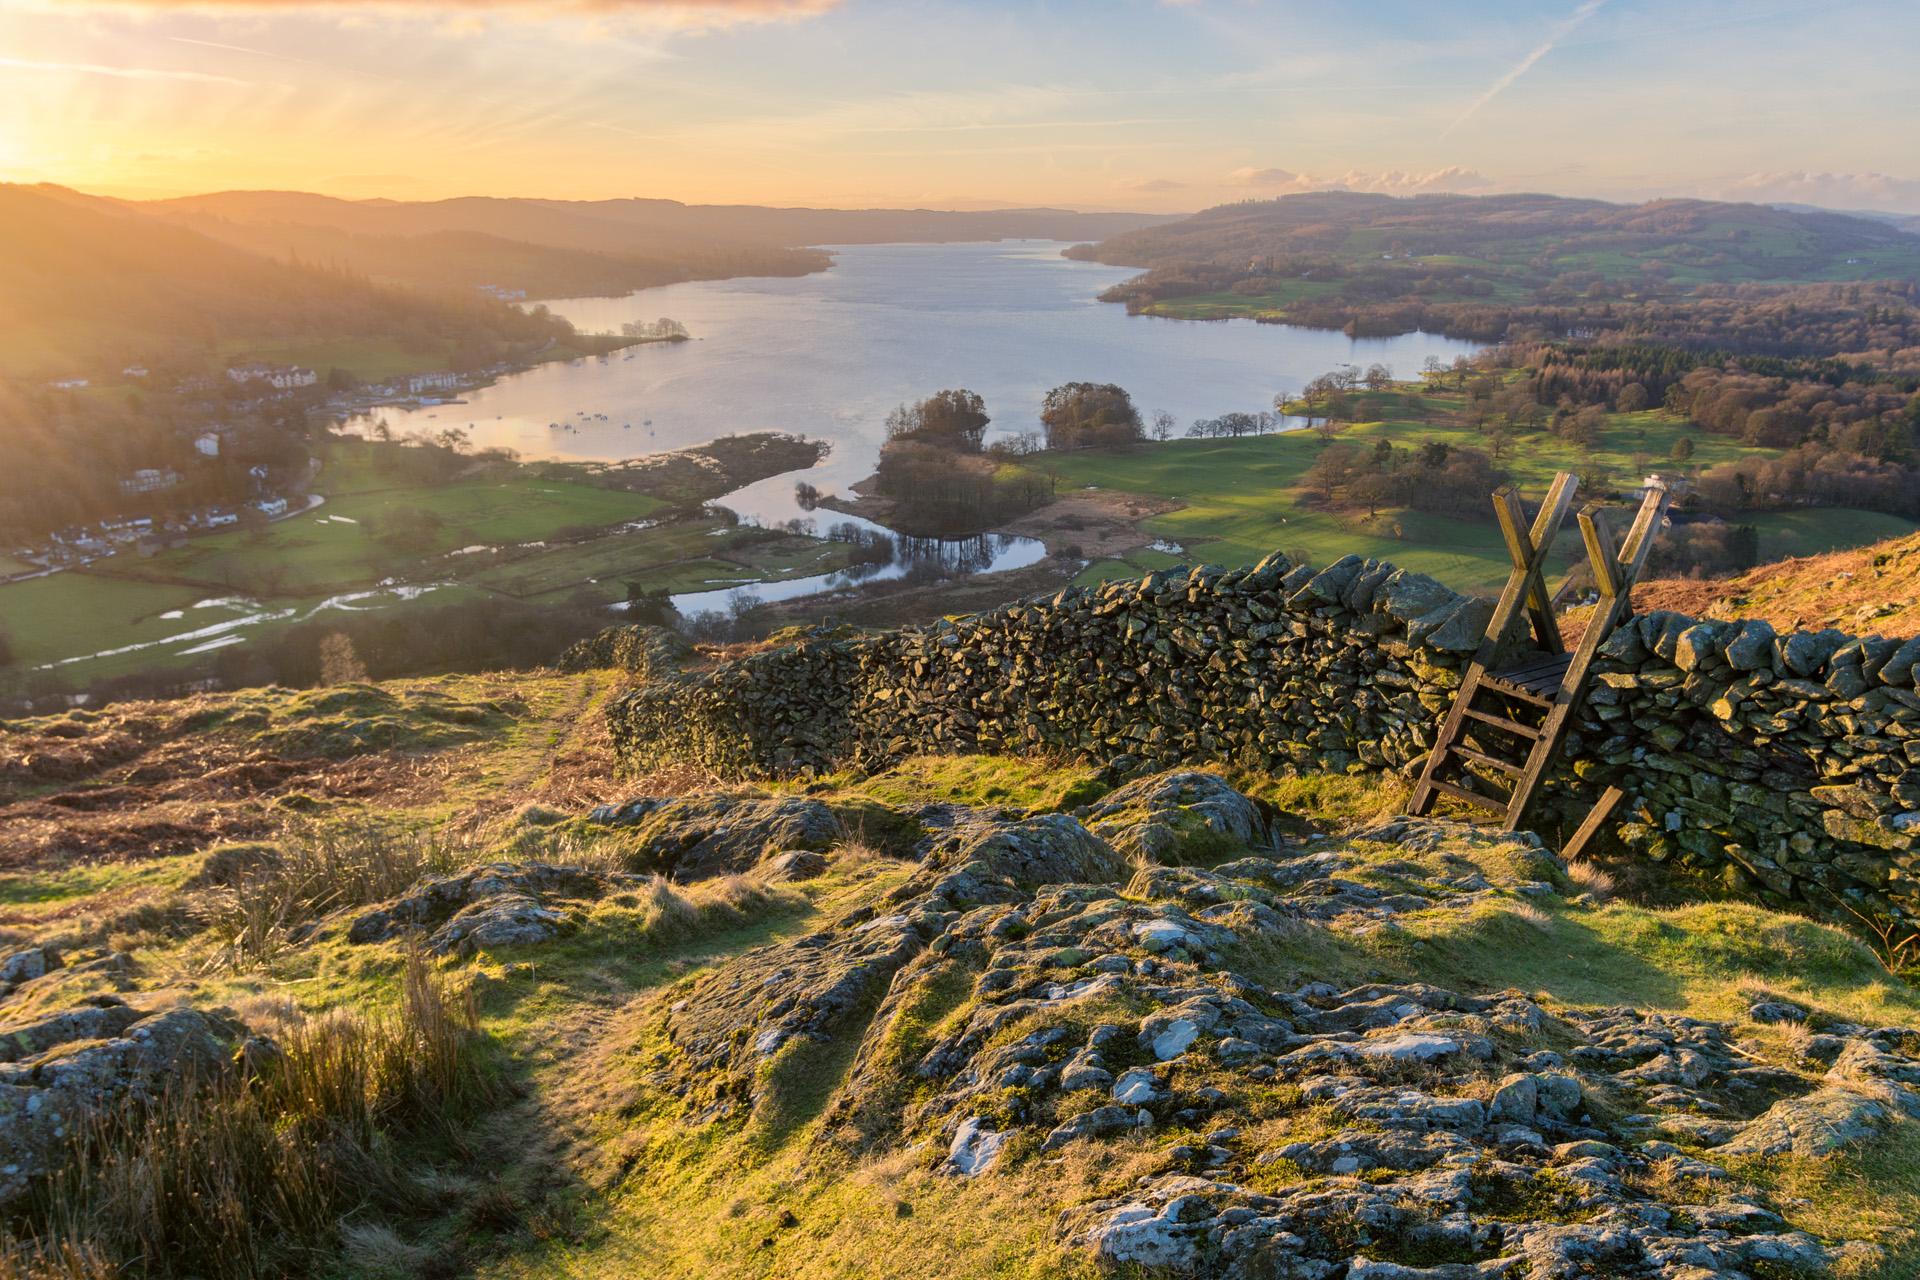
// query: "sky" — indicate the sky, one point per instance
point(1104, 104)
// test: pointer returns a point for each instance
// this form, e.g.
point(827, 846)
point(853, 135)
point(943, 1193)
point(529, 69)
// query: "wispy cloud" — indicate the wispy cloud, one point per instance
point(1150, 184)
point(673, 11)
point(1392, 182)
point(124, 73)
point(1520, 68)
point(1252, 177)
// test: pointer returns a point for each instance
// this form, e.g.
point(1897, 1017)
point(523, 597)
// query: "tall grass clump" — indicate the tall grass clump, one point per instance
point(663, 913)
point(244, 1178)
point(256, 895)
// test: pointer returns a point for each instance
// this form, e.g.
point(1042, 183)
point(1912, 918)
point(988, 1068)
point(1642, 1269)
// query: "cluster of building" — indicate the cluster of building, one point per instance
point(281, 377)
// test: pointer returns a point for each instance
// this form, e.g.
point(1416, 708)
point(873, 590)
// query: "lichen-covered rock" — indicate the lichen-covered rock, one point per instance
point(698, 837)
point(1050, 849)
point(747, 1011)
point(1177, 814)
point(85, 1064)
point(499, 904)
point(998, 1021)
point(25, 966)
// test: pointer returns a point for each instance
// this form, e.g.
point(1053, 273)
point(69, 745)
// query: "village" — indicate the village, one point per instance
point(151, 524)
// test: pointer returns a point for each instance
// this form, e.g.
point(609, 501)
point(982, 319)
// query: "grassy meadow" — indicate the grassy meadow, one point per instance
point(1242, 497)
point(531, 538)
point(560, 1163)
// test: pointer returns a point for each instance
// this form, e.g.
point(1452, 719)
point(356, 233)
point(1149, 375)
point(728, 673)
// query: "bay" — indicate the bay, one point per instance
point(828, 355)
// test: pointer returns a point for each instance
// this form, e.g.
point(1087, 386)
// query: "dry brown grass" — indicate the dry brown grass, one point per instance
point(1590, 879)
point(1531, 914)
point(234, 1179)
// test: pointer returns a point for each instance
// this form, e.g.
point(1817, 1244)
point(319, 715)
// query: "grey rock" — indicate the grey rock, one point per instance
point(1816, 1125)
point(1163, 815)
point(1050, 849)
point(49, 1097)
point(975, 1147)
point(1750, 647)
point(698, 837)
point(25, 966)
point(1100, 1122)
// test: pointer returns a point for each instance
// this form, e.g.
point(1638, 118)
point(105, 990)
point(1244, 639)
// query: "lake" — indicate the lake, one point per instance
point(828, 355)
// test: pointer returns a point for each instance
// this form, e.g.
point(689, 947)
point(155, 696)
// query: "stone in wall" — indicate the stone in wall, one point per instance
point(1789, 764)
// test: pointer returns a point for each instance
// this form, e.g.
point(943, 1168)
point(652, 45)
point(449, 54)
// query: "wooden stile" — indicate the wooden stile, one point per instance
point(1550, 684)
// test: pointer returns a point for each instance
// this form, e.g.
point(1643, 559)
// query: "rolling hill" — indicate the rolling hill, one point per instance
point(89, 284)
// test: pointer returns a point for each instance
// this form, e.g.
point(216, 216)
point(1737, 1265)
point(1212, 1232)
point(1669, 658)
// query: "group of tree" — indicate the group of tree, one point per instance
point(1090, 415)
point(1432, 476)
point(941, 477)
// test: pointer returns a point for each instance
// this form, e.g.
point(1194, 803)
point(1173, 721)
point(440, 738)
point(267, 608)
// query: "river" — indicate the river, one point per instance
point(828, 355)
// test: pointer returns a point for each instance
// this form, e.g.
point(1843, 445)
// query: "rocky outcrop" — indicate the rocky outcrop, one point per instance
point(697, 837)
point(1389, 1129)
point(1790, 764)
point(64, 1071)
point(1170, 816)
point(1049, 849)
point(497, 905)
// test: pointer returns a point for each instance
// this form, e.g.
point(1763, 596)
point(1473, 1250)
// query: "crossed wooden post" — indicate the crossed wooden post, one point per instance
point(1551, 684)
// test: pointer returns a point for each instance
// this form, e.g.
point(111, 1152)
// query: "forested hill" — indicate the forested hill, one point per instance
point(1733, 278)
point(1733, 242)
point(556, 248)
point(86, 283)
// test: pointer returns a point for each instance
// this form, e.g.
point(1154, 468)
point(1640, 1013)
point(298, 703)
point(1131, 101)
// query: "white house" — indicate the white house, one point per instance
point(68, 384)
point(135, 371)
point(272, 506)
point(284, 377)
point(441, 381)
point(207, 445)
point(290, 377)
point(149, 480)
point(1672, 481)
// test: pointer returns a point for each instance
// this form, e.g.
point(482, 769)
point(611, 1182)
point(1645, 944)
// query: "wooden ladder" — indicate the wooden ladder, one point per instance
point(1533, 701)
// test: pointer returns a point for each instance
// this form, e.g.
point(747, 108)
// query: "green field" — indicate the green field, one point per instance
point(368, 359)
point(90, 628)
point(339, 545)
point(111, 620)
point(1242, 499)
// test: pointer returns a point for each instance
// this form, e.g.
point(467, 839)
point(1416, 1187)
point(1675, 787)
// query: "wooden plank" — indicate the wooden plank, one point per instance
point(1501, 722)
point(1555, 662)
point(1528, 553)
point(1423, 790)
point(1492, 762)
point(1609, 800)
point(1524, 549)
point(1572, 688)
point(1510, 690)
point(1602, 558)
point(1546, 527)
point(1471, 797)
point(1639, 542)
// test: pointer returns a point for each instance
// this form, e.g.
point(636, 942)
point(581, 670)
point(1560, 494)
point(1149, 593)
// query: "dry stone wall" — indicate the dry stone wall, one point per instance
point(1790, 764)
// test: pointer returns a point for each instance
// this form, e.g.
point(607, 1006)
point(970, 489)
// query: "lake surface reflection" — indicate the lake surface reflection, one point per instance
point(828, 355)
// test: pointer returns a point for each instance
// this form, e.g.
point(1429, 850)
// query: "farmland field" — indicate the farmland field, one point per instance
point(1242, 498)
